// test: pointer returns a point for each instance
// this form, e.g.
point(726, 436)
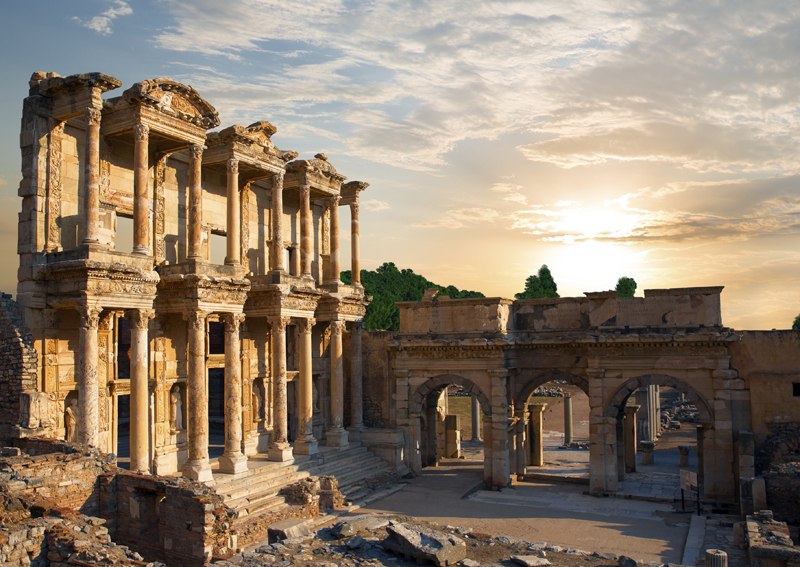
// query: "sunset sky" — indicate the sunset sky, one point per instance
point(657, 140)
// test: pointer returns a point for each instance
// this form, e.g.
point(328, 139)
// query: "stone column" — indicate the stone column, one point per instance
point(306, 444)
point(334, 275)
point(197, 467)
point(306, 251)
point(716, 558)
point(141, 199)
point(356, 379)
point(355, 262)
point(647, 448)
point(91, 196)
point(276, 258)
point(195, 227)
point(476, 419)
point(630, 438)
point(337, 434)
point(568, 420)
point(535, 436)
point(233, 460)
point(521, 444)
point(233, 230)
point(279, 449)
point(140, 392)
point(88, 396)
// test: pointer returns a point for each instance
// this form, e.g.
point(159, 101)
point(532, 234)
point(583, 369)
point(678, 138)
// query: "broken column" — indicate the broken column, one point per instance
point(629, 435)
point(476, 419)
point(536, 437)
point(567, 419)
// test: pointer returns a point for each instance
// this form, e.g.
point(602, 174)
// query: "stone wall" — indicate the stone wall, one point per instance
point(783, 491)
point(18, 360)
point(378, 386)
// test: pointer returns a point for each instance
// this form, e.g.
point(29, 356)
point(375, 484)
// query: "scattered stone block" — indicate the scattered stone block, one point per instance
point(425, 544)
point(530, 560)
point(291, 528)
point(364, 522)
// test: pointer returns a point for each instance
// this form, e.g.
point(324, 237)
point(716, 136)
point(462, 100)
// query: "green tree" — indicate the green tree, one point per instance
point(540, 285)
point(388, 284)
point(626, 286)
point(796, 324)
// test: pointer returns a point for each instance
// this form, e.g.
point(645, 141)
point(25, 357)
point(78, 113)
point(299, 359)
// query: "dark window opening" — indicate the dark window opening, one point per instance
point(216, 338)
point(123, 348)
point(796, 389)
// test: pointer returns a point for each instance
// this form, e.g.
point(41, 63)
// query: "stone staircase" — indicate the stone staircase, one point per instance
point(256, 492)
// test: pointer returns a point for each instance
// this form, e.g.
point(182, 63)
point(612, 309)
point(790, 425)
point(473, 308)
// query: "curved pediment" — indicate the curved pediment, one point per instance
point(173, 98)
point(319, 165)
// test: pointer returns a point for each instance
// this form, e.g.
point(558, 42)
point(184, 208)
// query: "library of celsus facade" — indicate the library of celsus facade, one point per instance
point(150, 336)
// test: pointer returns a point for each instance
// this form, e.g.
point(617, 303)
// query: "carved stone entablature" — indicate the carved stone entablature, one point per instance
point(180, 292)
point(350, 191)
point(350, 308)
point(449, 351)
point(317, 172)
point(50, 84)
point(173, 99)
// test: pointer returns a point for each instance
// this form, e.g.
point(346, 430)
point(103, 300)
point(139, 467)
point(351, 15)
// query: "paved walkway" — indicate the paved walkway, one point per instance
point(552, 512)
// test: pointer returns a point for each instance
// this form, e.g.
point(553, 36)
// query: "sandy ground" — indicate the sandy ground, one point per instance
point(555, 513)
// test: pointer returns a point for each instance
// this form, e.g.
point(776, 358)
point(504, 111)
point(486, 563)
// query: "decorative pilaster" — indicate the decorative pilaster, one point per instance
point(276, 258)
point(91, 195)
point(88, 396)
point(334, 236)
point(233, 229)
point(355, 261)
point(244, 219)
point(139, 400)
point(356, 379)
point(197, 467)
point(195, 202)
point(306, 251)
point(306, 444)
point(159, 214)
point(279, 449)
point(141, 200)
point(337, 434)
point(233, 460)
point(54, 187)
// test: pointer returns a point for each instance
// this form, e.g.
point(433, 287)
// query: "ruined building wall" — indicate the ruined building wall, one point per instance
point(19, 399)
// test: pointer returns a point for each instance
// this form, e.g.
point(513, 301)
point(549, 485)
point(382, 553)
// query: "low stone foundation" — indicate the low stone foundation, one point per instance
point(69, 504)
point(769, 543)
point(783, 491)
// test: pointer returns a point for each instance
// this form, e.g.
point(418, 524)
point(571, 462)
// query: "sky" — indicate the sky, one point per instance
point(655, 140)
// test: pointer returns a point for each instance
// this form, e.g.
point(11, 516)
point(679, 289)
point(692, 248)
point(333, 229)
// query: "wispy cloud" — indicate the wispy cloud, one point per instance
point(374, 205)
point(102, 22)
point(459, 218)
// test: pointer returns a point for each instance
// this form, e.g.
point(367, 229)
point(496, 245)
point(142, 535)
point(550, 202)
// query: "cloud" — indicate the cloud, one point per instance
point(511, 192)
point(374, 205)
point(459, 218)
point(102, 23)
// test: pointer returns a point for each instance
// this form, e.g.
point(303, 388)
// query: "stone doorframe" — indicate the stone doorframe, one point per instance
point(607, 466)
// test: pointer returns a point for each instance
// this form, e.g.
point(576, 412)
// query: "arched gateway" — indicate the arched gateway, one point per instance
point(610, 348)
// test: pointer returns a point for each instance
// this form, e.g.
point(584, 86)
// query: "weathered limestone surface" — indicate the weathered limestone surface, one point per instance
point(425, 544)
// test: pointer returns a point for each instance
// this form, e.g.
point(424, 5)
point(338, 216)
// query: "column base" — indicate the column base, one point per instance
point(307, 446)
point(280, 452)
point(337, 437)
point(233, 464)
point(199, 470)
point(354, 433)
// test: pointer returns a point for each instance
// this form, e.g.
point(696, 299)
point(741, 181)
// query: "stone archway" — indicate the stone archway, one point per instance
point(624, 422)
point(423, 408)
point(528, 441)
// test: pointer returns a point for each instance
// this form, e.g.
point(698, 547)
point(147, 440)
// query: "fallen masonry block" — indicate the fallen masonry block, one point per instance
point(287, 529)
point(530, 560)
point(425, 544)
point(364, 522)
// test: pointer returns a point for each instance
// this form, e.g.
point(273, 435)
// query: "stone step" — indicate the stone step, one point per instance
point(256, 471)
point(354, 478)
point(345, 468)
point(261, 485)
point(257, 505)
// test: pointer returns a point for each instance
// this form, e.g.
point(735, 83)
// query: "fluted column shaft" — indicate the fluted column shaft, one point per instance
point(306, 251)
point(276, 258)
point(233, 460)
point(91, 203)
point(88, 397)
point(356, 379)
point(306, 444)
point(197, 467)
point(279, 450)
point(140, 395)
point(337, 434)
point(234, 238)
point(355, 261)
point(335, 238)
point(141, 199)
point(195, 202)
